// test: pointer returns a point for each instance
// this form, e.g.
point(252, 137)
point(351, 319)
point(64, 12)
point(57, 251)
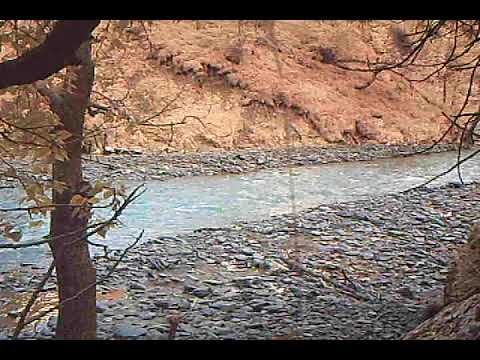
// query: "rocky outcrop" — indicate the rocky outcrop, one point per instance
point(202, 71)
point(457, 321)
point(368, 129)
point(463, 279)
point(459, 317)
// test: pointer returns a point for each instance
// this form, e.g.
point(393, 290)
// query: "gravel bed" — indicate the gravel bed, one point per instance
point(357, 270)
point(167, 166)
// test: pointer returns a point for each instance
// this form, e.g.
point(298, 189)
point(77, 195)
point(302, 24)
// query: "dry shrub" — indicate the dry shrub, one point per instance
point(325, 55)
point(401, 40)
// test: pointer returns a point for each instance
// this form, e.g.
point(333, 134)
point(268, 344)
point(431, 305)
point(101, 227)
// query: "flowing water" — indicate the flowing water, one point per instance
point(180, 205)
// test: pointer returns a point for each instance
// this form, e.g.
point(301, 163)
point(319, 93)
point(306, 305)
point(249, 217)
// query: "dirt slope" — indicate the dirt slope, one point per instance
point(239, 85)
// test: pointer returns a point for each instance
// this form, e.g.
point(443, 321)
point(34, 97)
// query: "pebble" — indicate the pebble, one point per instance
point(52, 321)
point(247, 251)
point(129, 332)
point(201, 292)
point(136, 286)
point(148, 315)
point(101, 307)
point(15, 313)
point(223, 306)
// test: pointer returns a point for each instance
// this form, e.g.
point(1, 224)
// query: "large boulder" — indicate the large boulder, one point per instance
point(457, 321)
point(463, 279)
point(459, 318)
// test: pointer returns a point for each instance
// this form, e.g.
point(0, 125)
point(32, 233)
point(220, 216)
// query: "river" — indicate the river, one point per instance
point(184, 204)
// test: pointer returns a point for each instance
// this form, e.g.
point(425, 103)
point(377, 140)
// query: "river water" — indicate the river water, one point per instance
point(183, 204)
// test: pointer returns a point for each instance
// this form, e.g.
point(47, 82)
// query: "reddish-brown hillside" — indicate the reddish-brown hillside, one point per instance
point(239, 83)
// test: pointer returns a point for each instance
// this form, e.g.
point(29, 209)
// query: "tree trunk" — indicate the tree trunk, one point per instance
point(75, 271)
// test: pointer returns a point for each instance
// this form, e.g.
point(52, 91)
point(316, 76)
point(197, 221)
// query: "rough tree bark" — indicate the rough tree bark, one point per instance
point(75, 272)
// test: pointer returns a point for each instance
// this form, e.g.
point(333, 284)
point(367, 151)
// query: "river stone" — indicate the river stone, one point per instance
point(47, 332)
point(162, 303)
point(188, 287)
point(52, 321)
point(137, 286)
point(129, 332)
point(15, 313)
point(148, 315)
point(455, 184)
point(247, 251)
point(208, 312)
point(201, 292)
point(213, 282)
point(220, 331)
point(101, 307)
point(262, 264)
point(223, 306)
point(396, 233)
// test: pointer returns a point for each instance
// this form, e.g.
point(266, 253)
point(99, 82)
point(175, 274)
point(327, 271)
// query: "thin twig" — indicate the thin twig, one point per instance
point(97, 227)
point(21, 322)
point(98, 282)
point(443, 173)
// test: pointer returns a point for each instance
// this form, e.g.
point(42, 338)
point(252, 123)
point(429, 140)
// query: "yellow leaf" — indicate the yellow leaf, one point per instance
point(59, 186)
point(78, 200)
point(107, 194)
point(38, 168)
point(35, 224)
point(60, 155)
point(63, 135)
point(102, 232)
point(42, 153)
point(98, 187)
point(93, 200)
point(14, 235)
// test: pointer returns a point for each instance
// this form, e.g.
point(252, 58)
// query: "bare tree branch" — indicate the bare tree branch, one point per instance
point(55, 53)
point(445, 172)
point(31, 301)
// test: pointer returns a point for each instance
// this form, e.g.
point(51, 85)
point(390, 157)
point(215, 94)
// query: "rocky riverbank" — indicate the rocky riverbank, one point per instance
point(165, 166)
point(358, 270)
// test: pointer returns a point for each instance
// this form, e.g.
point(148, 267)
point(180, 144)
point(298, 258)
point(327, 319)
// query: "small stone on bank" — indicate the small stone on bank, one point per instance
point(129, 332)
